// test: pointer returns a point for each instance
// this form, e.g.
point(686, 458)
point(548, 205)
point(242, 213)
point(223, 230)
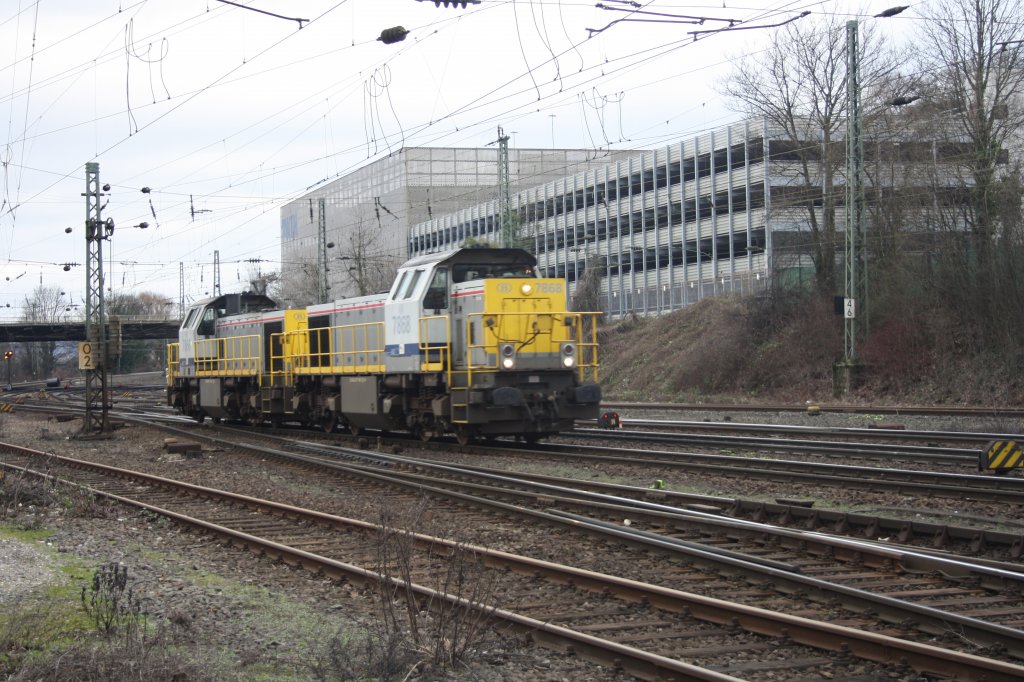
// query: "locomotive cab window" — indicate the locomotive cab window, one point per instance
point(399, 286)
point(413, 281)
point(468, 272)
point(189, 319)
point(437, 293)
point(206, 326)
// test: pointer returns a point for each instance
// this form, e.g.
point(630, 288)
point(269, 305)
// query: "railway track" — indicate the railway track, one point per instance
point(758, 543)
point(979, 543)
point(674, 522)
point(998, 544)
point(950, 411)
point(646, 630)
point(949, 484)
point(885, 432)
point(887, 453)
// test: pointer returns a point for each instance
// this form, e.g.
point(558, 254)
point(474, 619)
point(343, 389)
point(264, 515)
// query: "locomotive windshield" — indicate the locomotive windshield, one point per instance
point(465, 272)
point(437, 293)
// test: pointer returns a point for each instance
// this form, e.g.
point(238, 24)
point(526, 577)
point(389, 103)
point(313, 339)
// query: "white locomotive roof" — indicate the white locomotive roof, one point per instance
point(344, 303)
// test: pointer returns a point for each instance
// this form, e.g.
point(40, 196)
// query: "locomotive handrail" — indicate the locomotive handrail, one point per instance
point(280, 366)
point(342, 349)
point(231, 356)
point(173, 357)
point(437, 355)
point(586, 326)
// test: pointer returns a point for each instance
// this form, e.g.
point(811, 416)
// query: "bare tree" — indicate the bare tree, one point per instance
point(974, 50)
point(138, 355)
point(297, 285)
point(259, 281)
point(798, 85)
point(46, 304)
point(366, 266)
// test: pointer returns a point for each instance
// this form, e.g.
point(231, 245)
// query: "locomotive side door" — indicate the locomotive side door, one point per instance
point(434, 330)
point(206, 332)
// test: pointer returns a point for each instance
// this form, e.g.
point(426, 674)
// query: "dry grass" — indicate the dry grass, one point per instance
point(783, 348)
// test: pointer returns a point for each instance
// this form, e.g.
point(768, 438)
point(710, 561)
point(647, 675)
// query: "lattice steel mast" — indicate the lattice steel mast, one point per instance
point(96, 390)
point(509, 238)
point(322, 287)
point(856, 307)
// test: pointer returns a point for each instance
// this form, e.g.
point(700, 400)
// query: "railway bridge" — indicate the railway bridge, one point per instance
point(26, 332)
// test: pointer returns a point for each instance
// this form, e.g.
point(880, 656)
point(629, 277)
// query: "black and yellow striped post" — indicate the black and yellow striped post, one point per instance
point(6, 407)
point(1001, 455)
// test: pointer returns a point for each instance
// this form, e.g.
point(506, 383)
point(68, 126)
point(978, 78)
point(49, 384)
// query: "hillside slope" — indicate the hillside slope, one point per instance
point(772, 349)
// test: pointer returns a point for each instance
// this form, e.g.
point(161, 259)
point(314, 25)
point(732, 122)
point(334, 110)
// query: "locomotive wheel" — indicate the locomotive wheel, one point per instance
point(354, 430)
point(531, 438)
point(425, 435)
point(463, 436)
point(329, 421)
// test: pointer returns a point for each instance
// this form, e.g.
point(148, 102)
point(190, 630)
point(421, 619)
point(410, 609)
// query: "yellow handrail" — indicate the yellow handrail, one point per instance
point(231, 355)
point(437, 355)
point(344, 349)
point(173, 355)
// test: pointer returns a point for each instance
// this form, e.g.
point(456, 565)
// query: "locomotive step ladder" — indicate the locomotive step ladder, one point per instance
point(460, 405)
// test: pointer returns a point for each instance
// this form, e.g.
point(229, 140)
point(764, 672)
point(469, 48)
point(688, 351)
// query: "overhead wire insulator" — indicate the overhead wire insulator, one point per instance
point(891, 12)
point(454, 3)
point(395, 34)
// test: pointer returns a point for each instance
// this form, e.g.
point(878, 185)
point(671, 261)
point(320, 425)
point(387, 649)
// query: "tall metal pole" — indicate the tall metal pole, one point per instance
point(856, 304)
point(321, 253)
point(216, 273)
point(508, 236)
point(181, 291)
point(96, 391)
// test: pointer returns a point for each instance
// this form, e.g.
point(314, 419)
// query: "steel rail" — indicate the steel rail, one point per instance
point(915, 452)
point(843, 409)
point(790, 429)
point(989, 488)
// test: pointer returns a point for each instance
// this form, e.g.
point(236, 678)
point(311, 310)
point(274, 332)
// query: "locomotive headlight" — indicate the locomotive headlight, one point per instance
point(568, 355)
point(508, 356)
point(527, 289)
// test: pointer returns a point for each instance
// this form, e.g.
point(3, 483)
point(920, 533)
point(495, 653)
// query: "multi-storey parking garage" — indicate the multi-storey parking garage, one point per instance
point(661, 229)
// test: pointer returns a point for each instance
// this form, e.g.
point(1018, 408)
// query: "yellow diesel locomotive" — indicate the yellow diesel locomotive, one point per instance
point(468, 342)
